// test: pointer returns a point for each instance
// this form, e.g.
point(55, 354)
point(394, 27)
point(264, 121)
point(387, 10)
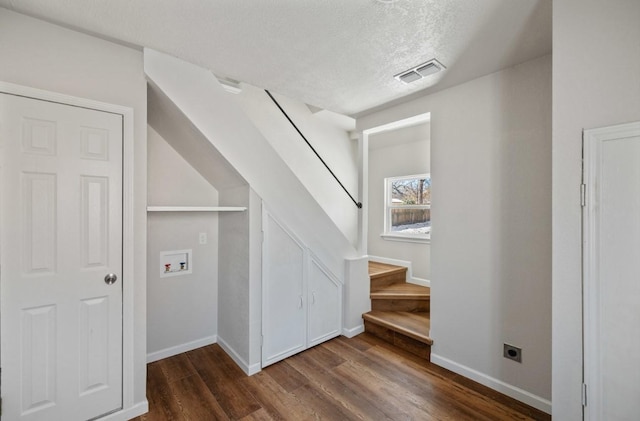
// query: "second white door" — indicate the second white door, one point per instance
point(612, 273)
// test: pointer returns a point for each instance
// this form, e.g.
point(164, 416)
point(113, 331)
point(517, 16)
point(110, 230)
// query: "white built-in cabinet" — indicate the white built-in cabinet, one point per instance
point(301, 299)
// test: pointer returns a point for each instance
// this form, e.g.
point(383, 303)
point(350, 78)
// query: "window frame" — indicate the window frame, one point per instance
point(389, 206)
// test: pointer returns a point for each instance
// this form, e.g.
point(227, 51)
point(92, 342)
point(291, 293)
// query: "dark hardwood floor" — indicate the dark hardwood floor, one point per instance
point(363, 378)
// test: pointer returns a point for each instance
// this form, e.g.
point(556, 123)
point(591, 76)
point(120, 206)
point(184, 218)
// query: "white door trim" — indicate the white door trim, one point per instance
point(592, 144)
point(127, 219)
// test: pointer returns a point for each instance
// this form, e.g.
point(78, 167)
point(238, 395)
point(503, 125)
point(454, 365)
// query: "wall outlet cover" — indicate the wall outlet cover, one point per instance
point(512, 352)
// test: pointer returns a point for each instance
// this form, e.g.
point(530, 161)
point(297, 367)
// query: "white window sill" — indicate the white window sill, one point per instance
point(425, 239)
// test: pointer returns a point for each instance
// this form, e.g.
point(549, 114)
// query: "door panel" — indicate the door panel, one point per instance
point(61, 233)
point(284, 303)
point(325, 304)
point(612, 273)
point(39, 226)
point(94, 220)
point(38, 344)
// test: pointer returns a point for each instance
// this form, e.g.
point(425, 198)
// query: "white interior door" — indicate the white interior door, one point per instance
point(61, 233)
point(284, 309)
point(612, 273)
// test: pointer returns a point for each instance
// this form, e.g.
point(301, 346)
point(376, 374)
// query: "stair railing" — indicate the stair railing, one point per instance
point(358, 204)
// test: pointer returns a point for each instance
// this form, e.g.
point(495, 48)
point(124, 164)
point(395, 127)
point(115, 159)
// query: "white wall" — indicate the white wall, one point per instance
point(45, 56)
point(182, 311)
point(236, 312)
point(491, 252)
point(255, 282)
point(399, 152)
point(329, 140)
point(172, 181)
point(596, 80)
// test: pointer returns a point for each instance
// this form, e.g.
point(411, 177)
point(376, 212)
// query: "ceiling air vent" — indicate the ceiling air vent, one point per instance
point(420, 71)
point(409, 76)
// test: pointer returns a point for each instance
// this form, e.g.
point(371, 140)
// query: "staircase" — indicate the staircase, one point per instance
point(399, 310)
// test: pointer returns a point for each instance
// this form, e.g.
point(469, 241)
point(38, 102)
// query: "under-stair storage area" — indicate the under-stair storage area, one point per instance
point(283, 279)
point(302, 300)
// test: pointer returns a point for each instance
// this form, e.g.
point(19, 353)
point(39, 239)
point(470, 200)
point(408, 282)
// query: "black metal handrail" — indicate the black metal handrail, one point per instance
point(358, 204)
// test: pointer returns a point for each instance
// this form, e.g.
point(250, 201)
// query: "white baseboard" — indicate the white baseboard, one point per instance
point(249, 370)
point(495, 384)
point(350, 333)
point(410, 278)
point(179, 349)
point(128, 413)
point(419, 281)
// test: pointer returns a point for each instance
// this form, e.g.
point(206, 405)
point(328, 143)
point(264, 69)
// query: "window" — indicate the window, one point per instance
point(408, 208)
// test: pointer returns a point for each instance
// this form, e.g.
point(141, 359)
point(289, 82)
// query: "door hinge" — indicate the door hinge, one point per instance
point(584, 394)
point(583, 195)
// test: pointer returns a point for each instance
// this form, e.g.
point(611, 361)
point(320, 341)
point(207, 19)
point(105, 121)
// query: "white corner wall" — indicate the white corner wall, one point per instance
point(596, 83)
point(330, 141)
point(182, 311)
point(405, 151)
point(491, 252)
point(234, 307)
point(45, 56)
point(240, 278)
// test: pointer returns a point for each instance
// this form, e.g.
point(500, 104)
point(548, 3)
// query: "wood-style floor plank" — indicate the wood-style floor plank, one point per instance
point(340, 392)
point(286, 376)
point(220, 374)
point(278, 403)
point(363, 378)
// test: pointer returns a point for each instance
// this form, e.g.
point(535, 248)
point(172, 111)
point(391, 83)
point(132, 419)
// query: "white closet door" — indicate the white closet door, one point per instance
point(612, 273)
point(61, 233)
point(325, 304)
point(284, 303)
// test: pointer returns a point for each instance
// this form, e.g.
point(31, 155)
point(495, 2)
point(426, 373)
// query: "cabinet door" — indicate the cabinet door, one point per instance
point(284, 294)
point(325, 304)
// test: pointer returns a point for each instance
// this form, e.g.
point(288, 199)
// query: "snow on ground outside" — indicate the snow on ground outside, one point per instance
point(419, 228)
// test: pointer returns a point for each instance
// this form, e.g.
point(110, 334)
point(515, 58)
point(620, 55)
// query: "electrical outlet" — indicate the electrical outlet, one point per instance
point(203, 238)
point(512, 352)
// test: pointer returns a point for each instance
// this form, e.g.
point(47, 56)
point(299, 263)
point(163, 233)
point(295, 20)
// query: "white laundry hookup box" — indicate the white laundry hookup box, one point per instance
point(175, 262)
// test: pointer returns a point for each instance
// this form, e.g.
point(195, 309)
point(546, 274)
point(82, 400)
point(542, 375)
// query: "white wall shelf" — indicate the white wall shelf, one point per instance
point(196, 209)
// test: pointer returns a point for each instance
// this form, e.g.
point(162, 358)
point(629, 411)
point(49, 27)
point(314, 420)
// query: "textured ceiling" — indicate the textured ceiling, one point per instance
point(340, 55)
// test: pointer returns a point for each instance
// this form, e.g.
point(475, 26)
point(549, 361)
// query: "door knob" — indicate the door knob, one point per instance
point(111, 278)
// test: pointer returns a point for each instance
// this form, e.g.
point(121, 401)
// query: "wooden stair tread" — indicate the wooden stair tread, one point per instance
point(403, 291)
point(378, 270)
point(412, 324)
